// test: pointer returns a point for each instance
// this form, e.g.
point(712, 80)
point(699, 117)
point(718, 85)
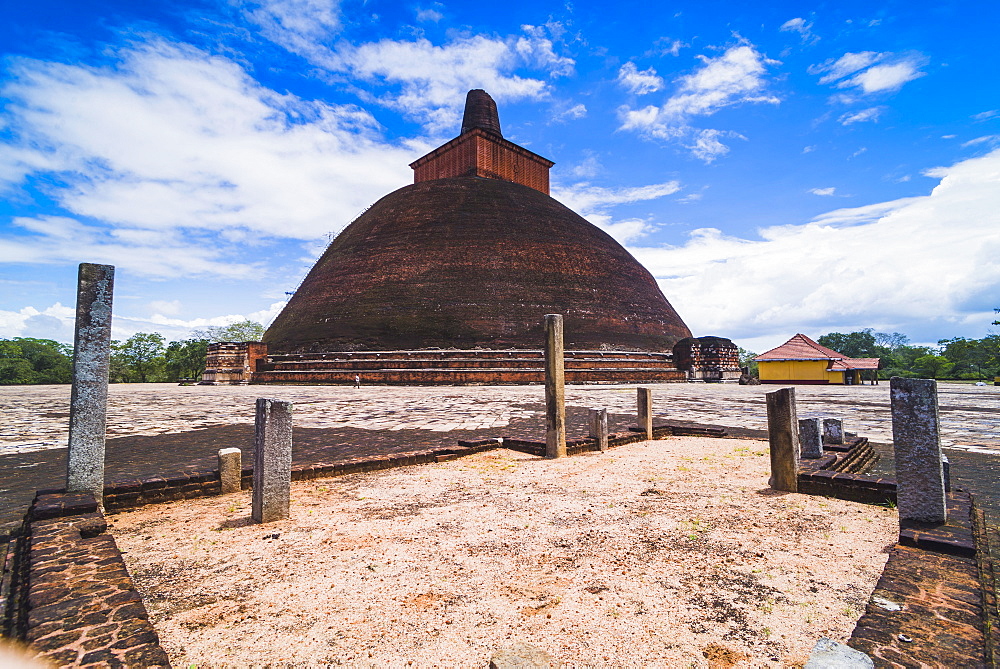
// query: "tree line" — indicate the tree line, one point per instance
point(142, 358)
point(953, 359)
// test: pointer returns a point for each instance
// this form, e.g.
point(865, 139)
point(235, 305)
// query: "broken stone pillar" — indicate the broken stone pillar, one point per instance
point(644, 411)
point(920, 485)
point(88, 408)
point(833, 431)
point(230, 469)
point(599, 427)
point(811, 438)
point(272, 460)
point(783, 435)
point(555, 388)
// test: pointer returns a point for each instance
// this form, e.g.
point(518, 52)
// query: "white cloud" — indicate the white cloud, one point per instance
point(170, 143)
point(301, 26)
point(54, 322)
point(845, 65)
point(990, 140)
point(594, 202)
point(822, 191)
point(808, 149)
point(986, 115)
point(884, 77)
point(870, 114)
point(577, 111)
point(589, 168)
point(431, 15)
point(736, 77)
point(869, 71)
point(639, 82)
point(802, 27)
point(937, 265)
point(166, 307)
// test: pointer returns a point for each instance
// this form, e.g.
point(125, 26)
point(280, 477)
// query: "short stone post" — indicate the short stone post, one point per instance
point(230, 469)
point(811, 438)
point(599, 427)
point(783, 435)
point(272, 460)
point(88, 409)
point(920, 486)
point(644, 411)
point(555, 388)
point(946, 468)
point(833, 431)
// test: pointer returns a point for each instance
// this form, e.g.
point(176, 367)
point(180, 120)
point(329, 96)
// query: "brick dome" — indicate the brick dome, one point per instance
point(473, 262)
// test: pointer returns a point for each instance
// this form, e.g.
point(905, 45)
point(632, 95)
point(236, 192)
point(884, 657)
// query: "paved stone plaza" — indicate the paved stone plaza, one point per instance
point(163, 429)
point(36, 417)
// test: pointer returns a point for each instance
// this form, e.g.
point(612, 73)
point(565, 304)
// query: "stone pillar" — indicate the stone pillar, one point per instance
point(783, 435)
point(230, 469)
point(272, 460)
point(811, 438)
point(555, 388)
point(88, 407)
point(833, 431)
point(599, 427)
point(644, 411)
point(920, 487)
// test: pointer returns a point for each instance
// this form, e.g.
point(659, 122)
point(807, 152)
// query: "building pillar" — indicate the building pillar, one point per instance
point(916, 443)
point(272, 460)
point(783, 435)
point(89, 398)
point(644, 411)
point(555, 388)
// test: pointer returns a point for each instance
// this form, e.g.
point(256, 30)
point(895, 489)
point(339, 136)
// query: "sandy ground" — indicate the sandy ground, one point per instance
point(664, 553)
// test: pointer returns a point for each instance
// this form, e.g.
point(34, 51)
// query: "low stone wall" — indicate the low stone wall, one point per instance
point(839, 474)
point(71, 597)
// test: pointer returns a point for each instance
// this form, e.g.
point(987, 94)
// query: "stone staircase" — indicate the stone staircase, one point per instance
point(462, 367)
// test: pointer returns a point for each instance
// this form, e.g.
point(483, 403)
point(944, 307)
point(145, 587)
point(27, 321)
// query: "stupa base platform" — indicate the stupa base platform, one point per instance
point(462, 367)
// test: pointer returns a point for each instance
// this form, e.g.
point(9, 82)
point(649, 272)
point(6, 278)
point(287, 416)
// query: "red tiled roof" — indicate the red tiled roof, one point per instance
point(801, 347)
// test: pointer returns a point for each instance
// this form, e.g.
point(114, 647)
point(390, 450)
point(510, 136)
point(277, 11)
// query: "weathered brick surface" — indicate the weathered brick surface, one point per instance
point(940, 623)
point(80, 607)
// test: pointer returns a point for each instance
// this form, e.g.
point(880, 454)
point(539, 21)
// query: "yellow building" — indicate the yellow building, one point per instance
point(801, 360)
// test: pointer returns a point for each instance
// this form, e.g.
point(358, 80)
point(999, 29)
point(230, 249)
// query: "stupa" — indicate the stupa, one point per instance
point(447, 281)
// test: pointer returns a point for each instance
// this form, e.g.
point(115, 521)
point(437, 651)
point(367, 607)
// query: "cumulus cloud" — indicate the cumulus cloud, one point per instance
point(431, 15)
point(869, 71)
point(937, 265)
point(575, 112)
point(594, 203)
point(639, 82)
point(733, 78)
point(301, 26)
point(170, 143)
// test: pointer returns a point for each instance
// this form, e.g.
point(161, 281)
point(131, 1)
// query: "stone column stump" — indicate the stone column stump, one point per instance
point(555, 388)
point(916, 443)
point(272, 460)
point(599, 427)
point(644, 411)
point(88, 408)
point(833, 431)
point(230, 469)
point(783, 435)
point(811, 438)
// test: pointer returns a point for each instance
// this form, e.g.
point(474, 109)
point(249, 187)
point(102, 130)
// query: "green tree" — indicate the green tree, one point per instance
point(185, 359)
point(932, 366)
point(970, 356)
point(852, 345)
point(747, 360)
point(30, 360)
point(245, 330)
point(138, 358)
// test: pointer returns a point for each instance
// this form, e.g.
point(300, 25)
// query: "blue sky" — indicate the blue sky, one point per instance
point(788, 168)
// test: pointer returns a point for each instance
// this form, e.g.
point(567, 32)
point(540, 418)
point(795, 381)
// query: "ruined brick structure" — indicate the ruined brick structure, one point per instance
point(708, 359)
point(467, 260)
point(232, 363)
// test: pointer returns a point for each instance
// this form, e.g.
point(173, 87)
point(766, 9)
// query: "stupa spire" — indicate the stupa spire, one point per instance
point(480, 112)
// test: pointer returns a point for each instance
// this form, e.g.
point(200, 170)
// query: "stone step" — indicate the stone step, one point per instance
point(467, 376)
